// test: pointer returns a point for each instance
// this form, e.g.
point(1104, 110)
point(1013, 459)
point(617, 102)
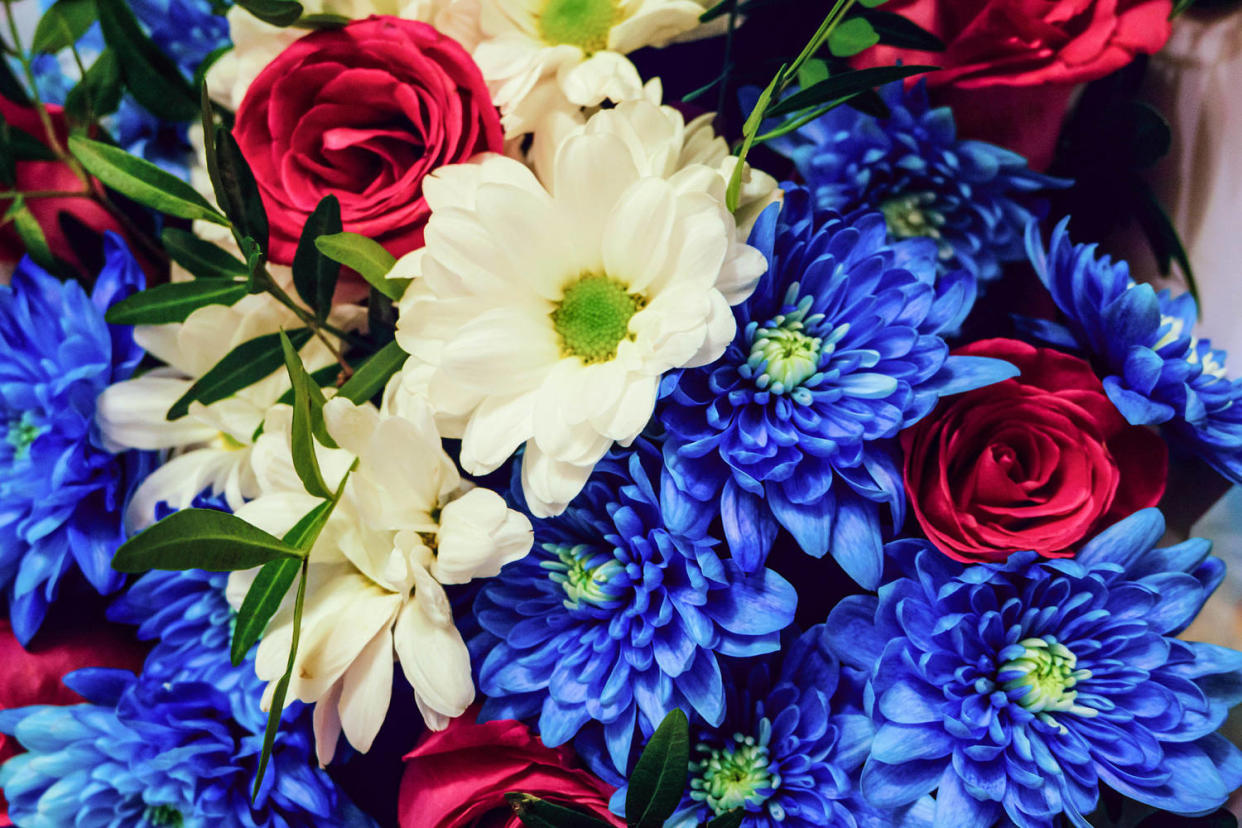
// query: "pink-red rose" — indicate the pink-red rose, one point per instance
point(1011, 65)
point(1039, 462)
point(363, 112)
point(458, 778)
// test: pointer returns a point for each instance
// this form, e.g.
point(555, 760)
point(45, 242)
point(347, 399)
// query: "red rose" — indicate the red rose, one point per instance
point(1038, 462)
point(363, 112)
point(458, 778)
point(47, 176)
point(1011, 65)
point(34, 676)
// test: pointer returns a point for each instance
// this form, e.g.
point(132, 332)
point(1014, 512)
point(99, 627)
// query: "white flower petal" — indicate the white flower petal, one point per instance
point(478, 535)
point(548, 484)
point(638, 232)
point(133, 414)
point(432, 653)
point(498, 426)
point(327, 724)
point(603, 76)
point(366, 690)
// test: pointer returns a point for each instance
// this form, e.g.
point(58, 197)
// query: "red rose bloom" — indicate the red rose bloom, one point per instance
point(1039, 462)
point(1011, 65)
point(458, 778)
point(364, 113)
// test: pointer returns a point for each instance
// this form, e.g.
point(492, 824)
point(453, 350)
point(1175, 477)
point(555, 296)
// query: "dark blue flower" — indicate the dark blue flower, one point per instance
point(1155, 370)
point(143, 753)
point(62, 492)
point(971, 197)
point(1019, 688)
point(838, 349)
point(616, 618)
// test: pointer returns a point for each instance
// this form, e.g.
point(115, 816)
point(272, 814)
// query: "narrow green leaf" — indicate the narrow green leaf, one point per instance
point(851, 37)
point(659, 777)
point(26, 147)
point(62, 24)
point(200, 539)
point(99, 91)
point(812, 72)
point(749, 130)
point(201, 258)
point(305, 463)
point(150, 75)
point(1166, 243)
point(31, 234)
point(238, 195)
point(11, 87)
point(322, 378)
point(207, 117)
point(1180, 7)
point(8, 164)
point(871, 4)
point(276, 12)
point(314, 274)
point(142, 181)
point(732, 819)
point(843, 84)
point(326, 20)
point(243, 366)
point(902, 32)
point(260, 604)
point(200, 74)
point(173, 302)
point(282, 686)
point(540, 813)
point(367, 257)
point(368, 380)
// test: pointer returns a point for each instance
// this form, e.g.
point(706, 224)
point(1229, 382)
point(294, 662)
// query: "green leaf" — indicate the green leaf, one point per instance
point(322, 378)
point(368, 380)
point(305, 463)
point(62, 25)
point(243, 366)
point(150, 75)
point(1163, 237)
point(367, 257)
point(851, 37)
point(26, 147)
point(142, 181)
point(732, 819)
point(871, 4)
point(99, 91)
point(812, 72)
point(200, 539)
point(843, 84)
point(238, 193)
point(749, 130)
point(325, 20)
point(314, 274)
point(1149, 133)
point(1180, 7)
point(902, 32)
point(31, 234)
point(276, 12)
point(11, 87)
point(173, 302)
point(540, 813)
point(659, 777)
point(8, 164)
point(282, 687)
point(200, 74)
point(201, 258)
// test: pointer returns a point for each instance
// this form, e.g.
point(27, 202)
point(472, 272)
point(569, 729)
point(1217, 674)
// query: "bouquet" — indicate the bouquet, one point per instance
point(446, 413)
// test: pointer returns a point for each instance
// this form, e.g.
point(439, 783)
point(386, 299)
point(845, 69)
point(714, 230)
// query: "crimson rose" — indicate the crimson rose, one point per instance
point(458, 778)
point(1037, 462)
point(364, 113)
point(1011, 65)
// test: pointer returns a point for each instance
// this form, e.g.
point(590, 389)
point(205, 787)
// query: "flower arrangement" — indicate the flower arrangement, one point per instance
point(431, 414)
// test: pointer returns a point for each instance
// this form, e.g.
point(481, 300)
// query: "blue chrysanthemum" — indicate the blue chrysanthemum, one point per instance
point(837, 350)
point(1019, 688)
point(143, 754)
point(616, 618)
point(61, 492)
point(1155, 370)
point(971, 197)
point(789, 750)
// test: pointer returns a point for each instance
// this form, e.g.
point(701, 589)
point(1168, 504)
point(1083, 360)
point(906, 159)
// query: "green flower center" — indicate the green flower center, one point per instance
point(163, 815)
point(593, 317)
point(582, 571)
point(22, 433)
point(785, 352)
point(581, 23)
point(911, 215)
point(1047, 669)
point(739, 773)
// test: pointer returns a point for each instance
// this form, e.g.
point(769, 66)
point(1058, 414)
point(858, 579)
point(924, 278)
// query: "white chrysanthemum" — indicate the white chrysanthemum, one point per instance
point(405, 525)
point(662, 144)
point(541, 55)
point(211, 444)
point(547, 318)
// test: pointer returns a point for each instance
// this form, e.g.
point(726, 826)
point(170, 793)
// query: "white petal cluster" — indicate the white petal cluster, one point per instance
point(545, 316)
point(406, 524)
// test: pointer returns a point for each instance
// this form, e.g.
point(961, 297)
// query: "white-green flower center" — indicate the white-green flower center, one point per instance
point(582, 23)
point(911, 215)
point(1047, 669)
point(583, 572)
point(792, 356)
point(786, 351)
point(21, 433)
point(593, 317)
point(728, 778)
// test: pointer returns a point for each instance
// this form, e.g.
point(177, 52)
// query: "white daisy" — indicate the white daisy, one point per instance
point(546, 318)
point(405, 525)
point(210, 446)
point(544, 54)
